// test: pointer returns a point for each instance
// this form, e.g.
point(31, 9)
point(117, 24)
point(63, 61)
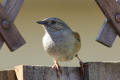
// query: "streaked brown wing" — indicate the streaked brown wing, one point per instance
point(77, 36)
point(78, 42)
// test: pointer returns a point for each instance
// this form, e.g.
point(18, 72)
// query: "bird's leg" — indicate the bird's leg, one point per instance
point(81, 65)
point(56, 65)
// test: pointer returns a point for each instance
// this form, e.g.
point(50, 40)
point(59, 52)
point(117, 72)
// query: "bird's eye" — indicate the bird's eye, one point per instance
point(53, 22)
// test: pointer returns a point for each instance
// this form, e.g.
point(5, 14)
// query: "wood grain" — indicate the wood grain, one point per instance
point(93, 71)
point(104, 71)
point(12, 7)
point(11, 35)
point(107, 34)
point(8, 75)
point(110, 8)
point(47, 73)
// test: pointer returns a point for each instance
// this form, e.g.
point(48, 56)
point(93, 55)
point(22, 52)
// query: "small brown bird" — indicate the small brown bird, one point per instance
point(60, 41)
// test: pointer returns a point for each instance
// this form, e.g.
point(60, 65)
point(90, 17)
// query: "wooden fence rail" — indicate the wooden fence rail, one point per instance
point(94, 71)
point(8, 75)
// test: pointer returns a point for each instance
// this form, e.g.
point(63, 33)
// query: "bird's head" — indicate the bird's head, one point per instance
point(53, 24)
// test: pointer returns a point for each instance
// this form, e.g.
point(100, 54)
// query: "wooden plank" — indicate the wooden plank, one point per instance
point(12, 7)
point(8, 75)
point(10, 33)
point(107, 34)
point(110, 8)
point(94, 71)
point(104, 71)
point(47, 73)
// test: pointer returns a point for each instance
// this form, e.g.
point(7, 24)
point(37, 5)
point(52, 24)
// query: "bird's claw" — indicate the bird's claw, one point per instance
point(56, 66)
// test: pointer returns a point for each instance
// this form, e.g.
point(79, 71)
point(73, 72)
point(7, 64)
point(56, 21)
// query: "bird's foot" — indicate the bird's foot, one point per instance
point(82, 65)
point(56, 66)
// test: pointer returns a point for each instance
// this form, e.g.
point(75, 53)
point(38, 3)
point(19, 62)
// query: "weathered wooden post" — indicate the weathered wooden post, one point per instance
point(103, 71)
point(47, 73)
point(94, 71)
point(8, 31)
point(110, 27)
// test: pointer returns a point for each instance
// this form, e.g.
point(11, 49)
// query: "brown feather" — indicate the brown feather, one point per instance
point(77, 43)
point(76, 35)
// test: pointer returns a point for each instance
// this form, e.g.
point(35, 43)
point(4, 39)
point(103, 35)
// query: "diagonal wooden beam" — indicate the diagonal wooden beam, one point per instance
point(9, 32)
point(12, 7)
point(111, 9)
point(107, 34)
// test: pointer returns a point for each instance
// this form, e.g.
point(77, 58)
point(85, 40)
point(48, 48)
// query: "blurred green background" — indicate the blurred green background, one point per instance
point(83, 16)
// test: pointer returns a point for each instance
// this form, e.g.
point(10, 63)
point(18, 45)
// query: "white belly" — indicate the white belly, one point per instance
point(60, 47)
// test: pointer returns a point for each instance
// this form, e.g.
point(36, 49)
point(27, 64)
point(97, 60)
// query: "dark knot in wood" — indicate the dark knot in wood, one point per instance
point(117, 17)
point(5, 24)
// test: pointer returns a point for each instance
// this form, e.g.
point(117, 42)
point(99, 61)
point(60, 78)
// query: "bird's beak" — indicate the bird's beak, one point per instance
point(42, 22)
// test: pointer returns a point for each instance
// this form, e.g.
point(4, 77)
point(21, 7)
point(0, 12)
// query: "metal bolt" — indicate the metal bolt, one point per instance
point(5, 24)
point(117, 17)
